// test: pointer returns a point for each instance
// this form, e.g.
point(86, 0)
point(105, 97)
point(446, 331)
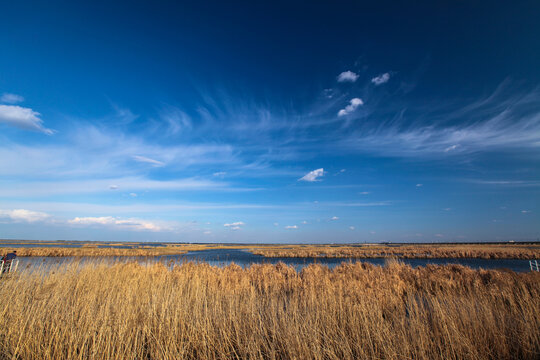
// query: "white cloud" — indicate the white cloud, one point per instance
point(291, 227)
point(276, 224)
point(525, 211)
point(347, 76)
point(364, 193)
point(124, 224)
point(452, 147)
point(207, 232)
point(11, 98)
point(439, 235)
point(313, 175)
point(304, 222)
point(419, 185)
point(219, 174)
point(132, 194)
point(353, 105)
point(381, 79)
point(23, 118)
point(447, 209)
point(23, 215)
point(334, 218)
point(235, 225)
point(148, 160)
point(352, 227)
point(113, 187)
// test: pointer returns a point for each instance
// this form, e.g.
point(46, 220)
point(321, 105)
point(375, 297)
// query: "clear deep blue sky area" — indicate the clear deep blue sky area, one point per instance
point(226, 121)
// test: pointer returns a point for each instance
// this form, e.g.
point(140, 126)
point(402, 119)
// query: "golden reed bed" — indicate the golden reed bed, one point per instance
point(196, 311)
point(483, 251)
point(479, 251)
point(92, 250)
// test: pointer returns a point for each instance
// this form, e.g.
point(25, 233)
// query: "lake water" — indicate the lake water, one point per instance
point(224, 257)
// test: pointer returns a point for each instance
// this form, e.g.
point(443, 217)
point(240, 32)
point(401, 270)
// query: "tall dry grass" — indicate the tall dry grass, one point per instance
point(484, 251)
point(196, 311)
point(479, 251)
point(94, 251)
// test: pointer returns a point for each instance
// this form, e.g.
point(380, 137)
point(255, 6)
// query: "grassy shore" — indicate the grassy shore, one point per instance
point(90, 250)
point(479, 251)
point(482, 251)
point(196, 311)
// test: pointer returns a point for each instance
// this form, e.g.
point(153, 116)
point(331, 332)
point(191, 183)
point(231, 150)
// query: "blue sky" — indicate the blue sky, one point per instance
point(275, 122)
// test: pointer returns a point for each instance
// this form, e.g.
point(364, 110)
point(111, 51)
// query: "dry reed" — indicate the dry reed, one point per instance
point(196, 311)
point(94, 251)
point(478, 251)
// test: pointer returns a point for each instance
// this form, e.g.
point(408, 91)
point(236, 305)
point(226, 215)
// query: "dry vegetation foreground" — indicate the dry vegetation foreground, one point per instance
point(197, 311)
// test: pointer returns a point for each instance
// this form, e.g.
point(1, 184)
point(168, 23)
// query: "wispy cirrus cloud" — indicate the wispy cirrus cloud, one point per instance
point(176, 120)
point(495, 123)
point(90, 151)
point(147, 160)
point(127, 184)
point(509, 183)
point(23, 118)
point(8, 98)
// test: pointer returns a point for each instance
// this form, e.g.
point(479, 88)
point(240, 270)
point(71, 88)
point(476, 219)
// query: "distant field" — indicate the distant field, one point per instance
point(359, 251)
point(196, 311)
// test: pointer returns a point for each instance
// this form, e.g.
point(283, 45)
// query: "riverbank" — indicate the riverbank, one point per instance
point(197, 311)
point(407, 251)
point(529, 251)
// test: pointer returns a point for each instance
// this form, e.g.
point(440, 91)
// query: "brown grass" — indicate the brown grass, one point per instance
point(197, 311)
point(480, 251)
point(93, 250)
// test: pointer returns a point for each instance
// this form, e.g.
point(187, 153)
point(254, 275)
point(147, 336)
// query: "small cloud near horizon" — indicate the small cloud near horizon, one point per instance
point(235, 225)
